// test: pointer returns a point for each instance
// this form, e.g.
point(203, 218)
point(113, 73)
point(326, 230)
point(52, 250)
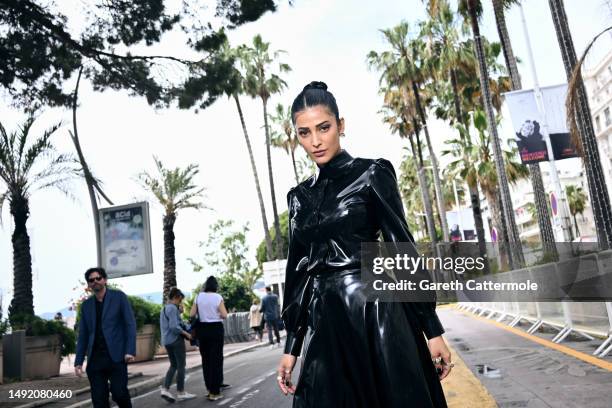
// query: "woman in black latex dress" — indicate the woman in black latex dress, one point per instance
point(356, 353)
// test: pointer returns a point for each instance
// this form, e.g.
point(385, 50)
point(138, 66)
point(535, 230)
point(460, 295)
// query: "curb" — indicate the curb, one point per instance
point(137, 388)
point(80, 391)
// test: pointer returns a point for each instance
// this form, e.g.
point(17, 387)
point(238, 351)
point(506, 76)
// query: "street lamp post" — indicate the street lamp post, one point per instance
point(563, 213)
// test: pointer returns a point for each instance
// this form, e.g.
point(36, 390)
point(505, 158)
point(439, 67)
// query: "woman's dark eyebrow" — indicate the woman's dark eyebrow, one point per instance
point(325, 122)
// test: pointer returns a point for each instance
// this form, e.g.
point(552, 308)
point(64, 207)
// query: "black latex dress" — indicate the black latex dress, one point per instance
point(357, 353)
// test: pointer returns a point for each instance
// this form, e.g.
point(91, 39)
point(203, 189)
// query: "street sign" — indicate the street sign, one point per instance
point(125, 240)
point(274, 272)
point(553, 204)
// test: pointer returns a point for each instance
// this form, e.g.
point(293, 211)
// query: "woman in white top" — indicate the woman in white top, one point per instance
point(211, 311)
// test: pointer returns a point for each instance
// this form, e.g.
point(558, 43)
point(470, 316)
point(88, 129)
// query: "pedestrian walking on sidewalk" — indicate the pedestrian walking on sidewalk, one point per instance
point(256, 318)
point(361, 351)
point(270, 310)
point(211, 311)
point(173, 336)
point(107, 336)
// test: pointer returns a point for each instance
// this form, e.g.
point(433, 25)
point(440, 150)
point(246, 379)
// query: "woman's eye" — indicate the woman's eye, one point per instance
point(302, 133)
point(324, 128)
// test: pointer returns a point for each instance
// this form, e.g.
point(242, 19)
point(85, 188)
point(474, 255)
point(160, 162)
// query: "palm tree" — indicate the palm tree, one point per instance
point(235, 87)
point(400, 114)
point(23, 172)
point(474, 162)
point(447, 54)
point(576, 200)
point(516, 254)
point(175, 190)
point(286, 138)
point(403, 62)
point(259, 82)
point(547, 235)
point(587, 142)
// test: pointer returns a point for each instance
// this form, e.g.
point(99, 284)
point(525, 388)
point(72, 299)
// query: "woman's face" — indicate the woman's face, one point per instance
point(318, 132)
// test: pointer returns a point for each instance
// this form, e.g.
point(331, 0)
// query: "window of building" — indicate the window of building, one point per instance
point(607, 116)
point(597, 124)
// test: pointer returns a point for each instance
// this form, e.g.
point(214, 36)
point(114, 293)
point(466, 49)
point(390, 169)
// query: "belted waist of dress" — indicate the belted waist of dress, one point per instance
point(324, 273)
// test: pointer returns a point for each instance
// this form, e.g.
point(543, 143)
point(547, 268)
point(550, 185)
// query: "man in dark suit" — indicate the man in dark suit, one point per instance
point(270, 308)
point(107, 335)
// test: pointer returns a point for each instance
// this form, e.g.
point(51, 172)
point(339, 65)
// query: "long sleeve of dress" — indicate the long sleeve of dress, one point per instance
point(298, 286)
point(390, 214)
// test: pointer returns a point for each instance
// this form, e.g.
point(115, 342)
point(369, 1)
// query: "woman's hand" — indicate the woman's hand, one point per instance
point(285, 367)
point(438, 349)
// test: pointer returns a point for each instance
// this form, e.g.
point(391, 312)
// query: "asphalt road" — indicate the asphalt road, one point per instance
point(252, 376)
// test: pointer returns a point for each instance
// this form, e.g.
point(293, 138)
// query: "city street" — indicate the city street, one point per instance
point(252, 376)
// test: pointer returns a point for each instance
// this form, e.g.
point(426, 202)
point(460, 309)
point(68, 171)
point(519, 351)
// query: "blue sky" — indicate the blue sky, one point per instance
point(324, 40)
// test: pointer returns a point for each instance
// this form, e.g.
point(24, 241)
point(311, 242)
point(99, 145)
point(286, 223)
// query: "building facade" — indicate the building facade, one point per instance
point(598, 82)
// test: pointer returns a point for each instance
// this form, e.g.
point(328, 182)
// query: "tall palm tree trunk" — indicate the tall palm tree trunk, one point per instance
point(416, 149)
point(434, 165)
point(473, 189)
point(23, 299)
point(516, 260)
point(297, 179)
point(598, 190)
point(547, 236)
point(169, 253)
point(277, 232)
point(262, 208)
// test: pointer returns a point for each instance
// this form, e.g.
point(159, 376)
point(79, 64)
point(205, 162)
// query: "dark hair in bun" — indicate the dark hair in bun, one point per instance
point(313, 94)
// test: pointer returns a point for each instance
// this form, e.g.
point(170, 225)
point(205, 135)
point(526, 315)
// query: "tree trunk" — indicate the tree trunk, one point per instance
point(479, 224)
point(517, 260)
point(262, 208)
point(277, 231)
point(295, 172)
point(431, 227)
point(23, 299)
point(576, 225)
point(598, 191)
point(547, 236)
point(434, 165)
point(169, 253)
point(492, 198)
point(504, 38)
point(474, 194)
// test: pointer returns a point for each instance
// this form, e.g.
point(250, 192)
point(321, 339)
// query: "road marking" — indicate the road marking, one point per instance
point(258, 381)
point(243, 390)
point(246, 397)
point(146, 394)
point(225, 401)
point(547, 343)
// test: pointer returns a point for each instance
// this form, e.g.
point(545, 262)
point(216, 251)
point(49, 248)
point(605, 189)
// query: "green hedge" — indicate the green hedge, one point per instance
point(37, 326)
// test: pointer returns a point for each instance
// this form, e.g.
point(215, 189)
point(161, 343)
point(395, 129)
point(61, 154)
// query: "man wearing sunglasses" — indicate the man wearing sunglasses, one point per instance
point(107, 335)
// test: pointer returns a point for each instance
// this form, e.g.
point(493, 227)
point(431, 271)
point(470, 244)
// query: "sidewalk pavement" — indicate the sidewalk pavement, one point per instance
point(142, 376)
point(524, 370)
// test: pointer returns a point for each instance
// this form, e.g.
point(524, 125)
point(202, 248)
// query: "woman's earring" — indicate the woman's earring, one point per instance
point(342, 134)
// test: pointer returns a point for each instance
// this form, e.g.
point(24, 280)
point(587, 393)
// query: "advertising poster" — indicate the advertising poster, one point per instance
point(527, 123)
point(126, 240)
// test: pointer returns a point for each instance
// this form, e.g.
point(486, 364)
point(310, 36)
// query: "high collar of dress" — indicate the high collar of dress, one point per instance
point(334, 168)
